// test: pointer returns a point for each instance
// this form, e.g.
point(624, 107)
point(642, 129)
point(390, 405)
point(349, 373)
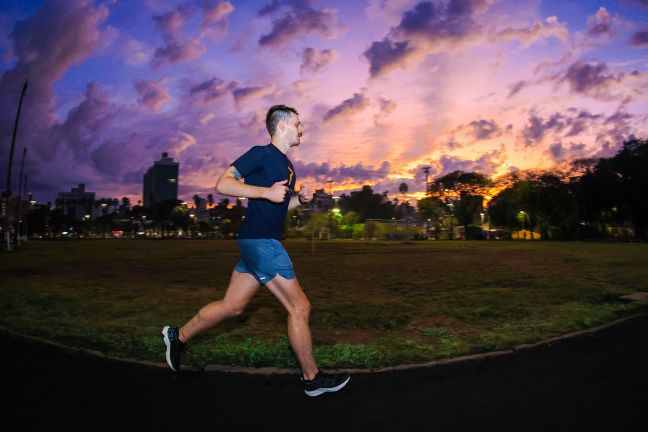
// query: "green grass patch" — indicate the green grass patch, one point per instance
point(374, 304)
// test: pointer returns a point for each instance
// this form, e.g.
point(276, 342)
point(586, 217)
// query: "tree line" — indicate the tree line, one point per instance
point(594, 199)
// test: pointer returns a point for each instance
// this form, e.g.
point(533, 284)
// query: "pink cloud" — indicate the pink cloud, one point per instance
point(314, 60)
point(153, 95)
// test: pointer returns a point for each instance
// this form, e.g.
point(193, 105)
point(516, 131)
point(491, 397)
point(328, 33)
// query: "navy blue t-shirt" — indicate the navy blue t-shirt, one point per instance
point(264, 166)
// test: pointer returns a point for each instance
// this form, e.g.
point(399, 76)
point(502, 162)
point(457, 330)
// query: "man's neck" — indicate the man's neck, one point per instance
point(282, 146)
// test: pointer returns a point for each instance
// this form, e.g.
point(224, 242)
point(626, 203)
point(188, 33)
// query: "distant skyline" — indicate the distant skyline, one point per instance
point(383, 87)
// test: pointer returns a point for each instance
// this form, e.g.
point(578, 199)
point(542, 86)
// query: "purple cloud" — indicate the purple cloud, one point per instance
point(108, 158)
point(484, 129)
point(581, 122)
point(211, 89)
point(536, 129)
point(57, 36)
point(573, 122)
point(560, 153)
point(299, 18)
point(357, 103)
point(386, 107)
point(585, 78)
point(242, 94)
point(639, 39)
point(428, 23)
point(358, 172)
point(386, 55)
point(214, 14)
point(314, 60)
point(600, 23)
point(152, 94)
point(487, 163)
point(643, 4)
point(83, 124)
point(515, 88)
point(175, 49)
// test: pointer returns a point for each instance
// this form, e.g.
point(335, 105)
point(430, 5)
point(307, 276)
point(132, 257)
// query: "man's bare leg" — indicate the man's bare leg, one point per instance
point(241, 289)
point(290, 294)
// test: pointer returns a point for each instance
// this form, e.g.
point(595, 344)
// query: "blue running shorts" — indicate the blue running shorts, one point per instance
point(264, 259)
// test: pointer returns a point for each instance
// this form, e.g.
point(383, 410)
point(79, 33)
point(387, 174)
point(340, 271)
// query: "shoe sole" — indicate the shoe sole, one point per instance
point(320, 391)
point(167, 342)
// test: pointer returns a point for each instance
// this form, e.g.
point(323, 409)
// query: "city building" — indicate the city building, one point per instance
point(321, 201)
point(77, 203)
point(161, 181)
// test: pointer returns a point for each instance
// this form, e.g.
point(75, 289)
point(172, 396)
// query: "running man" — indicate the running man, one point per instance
point(269, 183)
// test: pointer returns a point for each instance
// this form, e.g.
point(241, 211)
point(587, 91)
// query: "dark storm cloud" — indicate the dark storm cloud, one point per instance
point(83, 124)
point(108, 158)
point(57, 36)
point(639, 39)
point(355, 104)
point(294, 18)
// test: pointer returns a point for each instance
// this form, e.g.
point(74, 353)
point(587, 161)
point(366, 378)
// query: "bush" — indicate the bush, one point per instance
point(474, 233)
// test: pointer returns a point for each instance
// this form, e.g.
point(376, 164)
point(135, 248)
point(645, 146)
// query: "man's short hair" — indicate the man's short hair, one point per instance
point(276, 114)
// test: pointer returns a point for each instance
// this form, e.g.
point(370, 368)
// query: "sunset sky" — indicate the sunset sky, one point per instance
point(383, 87)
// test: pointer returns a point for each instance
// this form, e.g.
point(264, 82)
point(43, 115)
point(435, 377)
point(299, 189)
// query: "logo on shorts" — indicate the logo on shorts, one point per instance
point(262, 277)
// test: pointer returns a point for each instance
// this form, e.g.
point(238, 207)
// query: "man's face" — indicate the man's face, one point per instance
point(294, 130)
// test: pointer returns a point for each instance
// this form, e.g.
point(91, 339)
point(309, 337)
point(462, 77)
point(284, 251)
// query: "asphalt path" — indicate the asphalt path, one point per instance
point(596, 381)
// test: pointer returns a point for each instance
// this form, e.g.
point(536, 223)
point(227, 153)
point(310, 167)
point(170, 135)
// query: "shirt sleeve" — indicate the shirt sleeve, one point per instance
point(248, 162)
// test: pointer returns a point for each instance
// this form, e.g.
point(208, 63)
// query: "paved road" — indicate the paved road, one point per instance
point(592, 382)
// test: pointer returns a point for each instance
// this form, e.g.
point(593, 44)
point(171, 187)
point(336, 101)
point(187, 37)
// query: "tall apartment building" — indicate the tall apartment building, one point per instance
point(76, 203)
point(161, 181)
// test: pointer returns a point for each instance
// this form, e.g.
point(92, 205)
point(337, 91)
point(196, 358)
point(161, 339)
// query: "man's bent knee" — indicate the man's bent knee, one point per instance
point(301, 310)
point(234, 310)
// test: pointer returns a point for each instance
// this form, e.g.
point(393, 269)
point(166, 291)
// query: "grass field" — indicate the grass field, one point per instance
point(373, 303)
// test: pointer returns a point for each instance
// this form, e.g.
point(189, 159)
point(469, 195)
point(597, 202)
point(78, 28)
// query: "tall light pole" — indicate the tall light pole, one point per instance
point(428, 191)
point(7, 193)
point(19, 201)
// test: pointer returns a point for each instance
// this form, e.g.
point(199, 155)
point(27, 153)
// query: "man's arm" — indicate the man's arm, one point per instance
point(303, 197)
point(294, 202)
point(229, 184)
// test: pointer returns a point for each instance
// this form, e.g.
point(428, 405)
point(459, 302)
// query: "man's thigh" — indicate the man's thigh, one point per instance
point(241, 288)
point(288, 291)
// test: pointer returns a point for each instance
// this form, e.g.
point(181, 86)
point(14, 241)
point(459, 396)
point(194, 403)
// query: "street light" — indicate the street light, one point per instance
point(451, 205)
point(482, 219)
